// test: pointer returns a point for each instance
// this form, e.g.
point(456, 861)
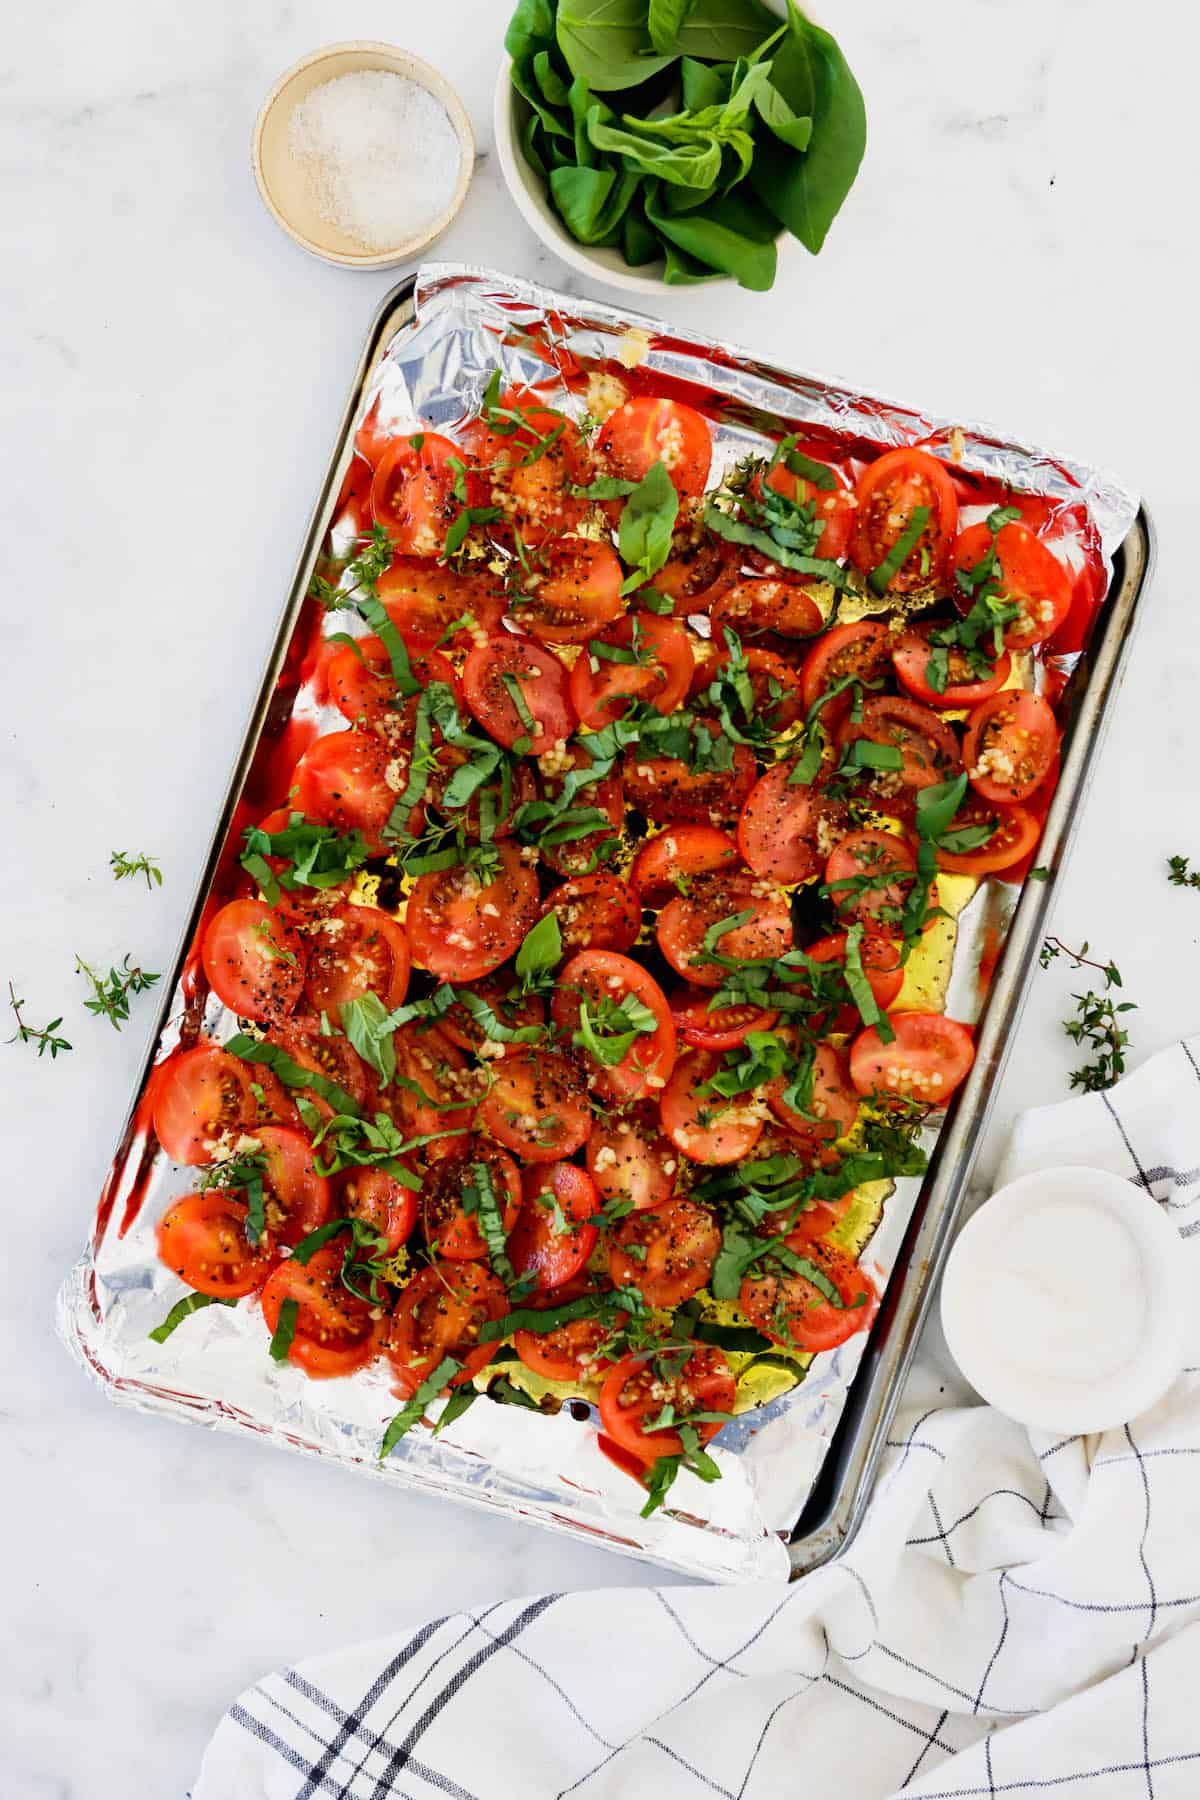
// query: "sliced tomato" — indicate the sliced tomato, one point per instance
point(450, 1230)
point(382, 1202)
point(426, 600)
point(203, 1239)
point(356, 950)
point(630, 1160)
point(832, 503)
point(434, 1088)
point(515, 1010)
point(834, 1103)
point(460, 927)
point(880, 958)
point(667, 791)
point(603, 689)
point(579, 855)
point(571, 1352)
point(331, 1056)
point(780, 825)
point(666, 864)
point(774, 685)
point(786, 607)
point(1015, 831)
point(926, 1060)
point(575, 595)
point(553, 1236)
point(927, 746)
point(636, 1393)
point(1010, 746)
point(793, 1311)
point(703, 1027)
point(532, 458)
point(350, 780)
point(705, 1126)
point(360, 683)
point(646, 430)
point(596, 912)
point(700, 567)
point(537, 1106)
point(601, 981)
point(667, 1252)
point(1030, 576)
point(253, 961)
point(335, 1331)
point(684, 921)
point(440, 1314)
point(297, 1198)
point(889, 492)
point(542, 681)
point(964, 686)
point(413, 491)
point(203, 1098)
point(887, 860)
point(861, 651)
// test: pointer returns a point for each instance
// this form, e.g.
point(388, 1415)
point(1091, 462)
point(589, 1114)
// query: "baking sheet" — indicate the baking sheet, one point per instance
point(215, 1368)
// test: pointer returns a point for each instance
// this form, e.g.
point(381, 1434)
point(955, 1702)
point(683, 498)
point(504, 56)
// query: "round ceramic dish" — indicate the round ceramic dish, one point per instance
point(1045, 1399)
point(282, 181)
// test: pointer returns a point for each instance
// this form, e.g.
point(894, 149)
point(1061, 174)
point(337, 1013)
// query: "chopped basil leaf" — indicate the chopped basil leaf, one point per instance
point(881, 577)
point(183, 1309)
point(292, 1074)
point(411, 1413)
point(285, 1329)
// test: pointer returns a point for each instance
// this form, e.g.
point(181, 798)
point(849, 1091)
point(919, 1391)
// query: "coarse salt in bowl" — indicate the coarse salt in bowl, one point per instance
point(363, 154)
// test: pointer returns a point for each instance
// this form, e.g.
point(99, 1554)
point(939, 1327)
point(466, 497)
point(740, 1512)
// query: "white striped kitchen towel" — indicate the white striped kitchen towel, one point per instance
point(1019, 1616)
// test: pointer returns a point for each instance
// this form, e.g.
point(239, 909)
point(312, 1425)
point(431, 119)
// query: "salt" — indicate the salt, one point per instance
point(380, 153)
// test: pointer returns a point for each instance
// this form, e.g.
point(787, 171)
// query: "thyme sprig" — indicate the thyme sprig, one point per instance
point(112, 993)
point(141, 864)
point(44, 1036)
point(1097, 1023)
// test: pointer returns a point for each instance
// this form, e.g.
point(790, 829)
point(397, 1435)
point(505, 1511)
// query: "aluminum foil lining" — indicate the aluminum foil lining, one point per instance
point(215, 1368)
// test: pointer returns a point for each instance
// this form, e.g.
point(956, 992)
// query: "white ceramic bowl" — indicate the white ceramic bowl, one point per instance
point(1055, 1399)
point(283, 183)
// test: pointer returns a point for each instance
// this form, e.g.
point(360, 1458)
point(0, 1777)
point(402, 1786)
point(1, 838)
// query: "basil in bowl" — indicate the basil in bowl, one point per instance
point(674, 141)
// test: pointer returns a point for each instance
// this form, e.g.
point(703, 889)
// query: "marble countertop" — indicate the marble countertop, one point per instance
point(173, 369)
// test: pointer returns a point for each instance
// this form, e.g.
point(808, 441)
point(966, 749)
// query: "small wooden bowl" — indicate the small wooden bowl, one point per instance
point(282, 180)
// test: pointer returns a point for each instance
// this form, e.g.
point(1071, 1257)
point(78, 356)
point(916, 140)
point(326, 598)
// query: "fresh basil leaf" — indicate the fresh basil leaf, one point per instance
point(607, 42)
point(664, 19)
point(704, 84)
point(790, 128)
point(967, 838)
point(291, 1073)
point(480, 1201)
point(937, 805)
point(183, 1309)
point(806, 192)
point(723, 30)
point(411, 1413)
point(369, 1026)
point(541, 948)
point(611, 1035)
point(731, 235)
point(285, 1329)
point(860, 988)
point(648, 524)
point(530, 29)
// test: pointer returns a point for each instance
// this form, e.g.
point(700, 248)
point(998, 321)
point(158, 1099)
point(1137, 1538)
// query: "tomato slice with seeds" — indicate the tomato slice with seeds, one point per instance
point(889, 492)
point(666, 1252)
point(861, 650)
point(927, 1059)
point(461, 927)
point(833, 502)
point(575, 594)
point(203, 1095)
point(1010, 746)
point(571, 1352)
point(596, 912)
point(297, 1198)
point(434, 1090)
point(1030, 576)
point(356, 950)
point(517, 1013)
point(646, 430)
point(203, 1239)
point(253, 961)
point(332, 1056)
point(701, 565)
point(703, 1027)
point(630, 1160)
point(666, 864)
point(780, 824)
point(603, 689)
point(793, 1311)
point(440, 1314)
point(1015, 831)
point(335, 1333)
point(553, 1235)
point(449, 1229)
point(603, 981)
point(537, 1106)
point(382, 1202)
point(764, 604)
point(964, 685)
point(705, 1126)
point(360, 684)
point(532, 464)
point(636, 1393)
point(346, 780)
point(413, 491)
point(670, 793)
point(880, 857)
point(684, 921)
point(495, 672)
point(927, 746)
point(834, 1102)
point(425, 600)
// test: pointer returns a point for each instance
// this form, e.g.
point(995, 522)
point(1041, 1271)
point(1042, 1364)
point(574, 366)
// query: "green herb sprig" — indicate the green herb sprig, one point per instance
point(44, 1036)
point(1097, 1023)
point(122, 866)
point(112, 993)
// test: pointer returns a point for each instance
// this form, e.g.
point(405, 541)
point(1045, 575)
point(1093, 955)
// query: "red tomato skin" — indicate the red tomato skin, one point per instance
point(767, 604)
point(925, 741)
point(380, 1200)
point(451, 935)
point(646, 430)
point(821, 1325)
point(607, 692)
point(701, 1028)
point(1031, 576)
point(292, 1183)
point(342, 780)
point(934, 1052)
point(1016, 836)
point(628, 1158)
point(448, 1229)
point(683, 922)
point(596, 912)
point(667, 792)
point(910, 655)
point(881, 965)
point(1013, 713)
point(532, 495)
point(202, 1237)
point(834, 1102)
point(679, 1241)
point(199, 1094)
point(902, 480)
point(650, 1059)
point(547, 693)
point(253, 961)
point(537, 1086)
point(579, 594)
point(709, 1379)
point(776, 825)
point(425, 599)
point(870, 852)
point(363, 932)
point(448, 1302)
point(836, 505)
point(715, 1141)
point(332, 1057)
point(680, 850)
point(861, 649)
point(533, 1245)
point(317, 1286)
point(412, 492)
